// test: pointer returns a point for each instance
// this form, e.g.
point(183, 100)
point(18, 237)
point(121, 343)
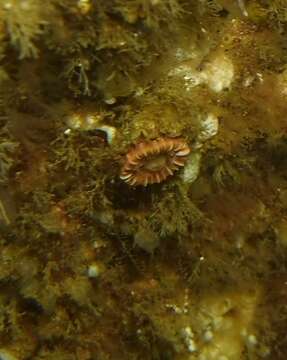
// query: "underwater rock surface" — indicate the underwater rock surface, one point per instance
point(187, 263)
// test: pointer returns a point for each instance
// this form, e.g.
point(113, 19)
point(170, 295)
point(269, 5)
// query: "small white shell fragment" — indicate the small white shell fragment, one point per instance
point(110, 132)
point(110, 101)
point(67, 131)
point(187, 332)
point(208, 128)
point(191, 168)
point(251, 340)
point(98, 244)
point(191, 346)
point(94, 270)
point(188, 337)
point(208, 336)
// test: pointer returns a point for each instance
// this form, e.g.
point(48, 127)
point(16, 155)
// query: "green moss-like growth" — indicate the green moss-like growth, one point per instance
point(8, 153)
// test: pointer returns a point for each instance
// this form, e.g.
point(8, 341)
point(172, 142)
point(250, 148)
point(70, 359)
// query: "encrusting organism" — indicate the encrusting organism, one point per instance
point(150, 162)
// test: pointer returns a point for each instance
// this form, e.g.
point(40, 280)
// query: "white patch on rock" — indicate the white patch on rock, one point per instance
point(94, 270)
point(208, 128)
point(219, 73)
point(188, 338)
point(191, 168)
point(191, 77)
point(229, 318)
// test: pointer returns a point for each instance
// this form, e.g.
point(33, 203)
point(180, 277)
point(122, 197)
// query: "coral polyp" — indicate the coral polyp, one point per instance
point(150, 162)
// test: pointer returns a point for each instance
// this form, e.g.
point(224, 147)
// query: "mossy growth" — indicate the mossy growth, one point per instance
point(175, 214)
point(8, 155)
point(229, 170)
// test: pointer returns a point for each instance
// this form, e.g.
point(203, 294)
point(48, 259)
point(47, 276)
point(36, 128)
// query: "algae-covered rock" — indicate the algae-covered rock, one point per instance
point(143, 185)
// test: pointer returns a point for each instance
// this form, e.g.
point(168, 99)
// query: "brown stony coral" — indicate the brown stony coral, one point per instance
point(150, 162)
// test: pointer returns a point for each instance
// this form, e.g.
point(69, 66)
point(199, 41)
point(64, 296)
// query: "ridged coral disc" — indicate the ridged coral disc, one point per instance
point(150, 162)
